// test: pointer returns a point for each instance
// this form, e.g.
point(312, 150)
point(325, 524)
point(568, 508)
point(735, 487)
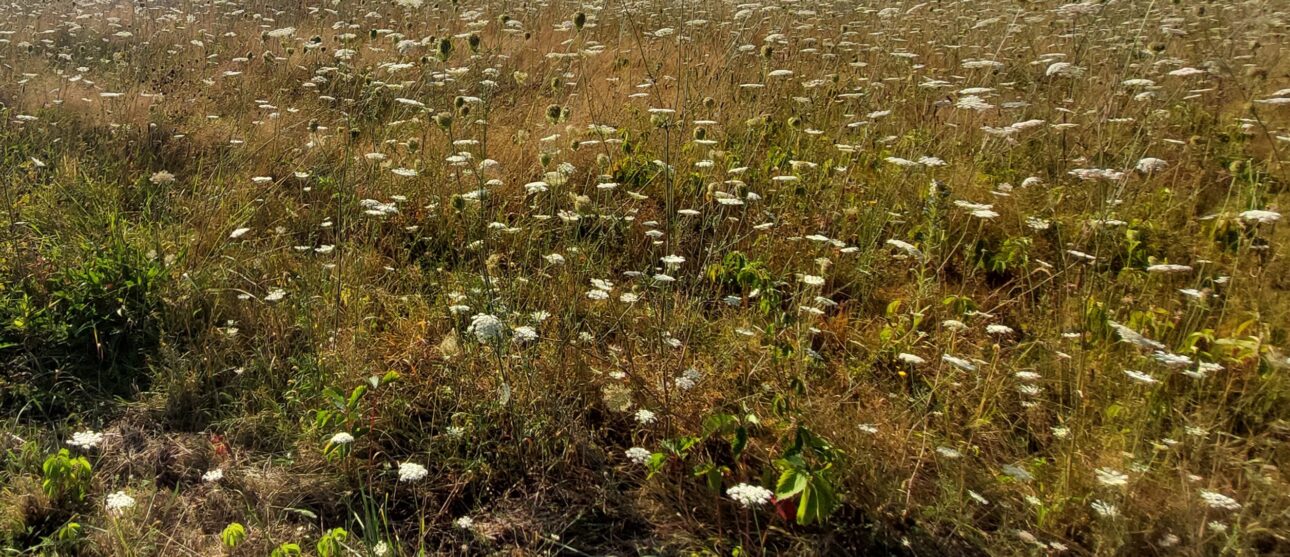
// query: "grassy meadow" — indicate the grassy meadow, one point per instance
point(644, 277)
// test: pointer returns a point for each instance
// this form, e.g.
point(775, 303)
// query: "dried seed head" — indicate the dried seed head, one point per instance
point(443, 119)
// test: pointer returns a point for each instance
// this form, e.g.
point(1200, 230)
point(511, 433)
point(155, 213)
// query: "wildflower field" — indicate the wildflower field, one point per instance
point(644, 277)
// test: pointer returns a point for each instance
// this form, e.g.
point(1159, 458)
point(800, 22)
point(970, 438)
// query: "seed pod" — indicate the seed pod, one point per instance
point(709, 103)
point(443, 119)
point(545, 159)
point(579, 20)
point(473, 41)
point(553, 113)
point(445, 48)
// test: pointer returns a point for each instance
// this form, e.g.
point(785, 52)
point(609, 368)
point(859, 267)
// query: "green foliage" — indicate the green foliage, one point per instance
point(232, 535)
point(66, 478)
point(732, 428)
point(805, 472)
point(332, 543)
point(69, 535)
point(286, 549)
point(1009, 257)
point(750, 279)
point(98, 316)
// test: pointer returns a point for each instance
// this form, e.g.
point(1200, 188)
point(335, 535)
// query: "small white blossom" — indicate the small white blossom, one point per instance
point(749, 495)
point(411, 472)
point(639, 455)
point(86, 439)
point(117, 503)
point(486, 328)
point(1217, 500)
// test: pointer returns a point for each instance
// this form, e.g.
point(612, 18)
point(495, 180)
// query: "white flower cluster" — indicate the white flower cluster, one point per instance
point(749, 495)
point(487, 328)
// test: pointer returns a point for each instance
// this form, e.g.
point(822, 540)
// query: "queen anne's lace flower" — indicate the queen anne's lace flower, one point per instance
point(749, 495)
point(487, 328)
point(117, 503)
point(86, 439)
point(411, 472)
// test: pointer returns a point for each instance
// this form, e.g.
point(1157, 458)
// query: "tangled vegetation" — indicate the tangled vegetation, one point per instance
point(845, 277)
